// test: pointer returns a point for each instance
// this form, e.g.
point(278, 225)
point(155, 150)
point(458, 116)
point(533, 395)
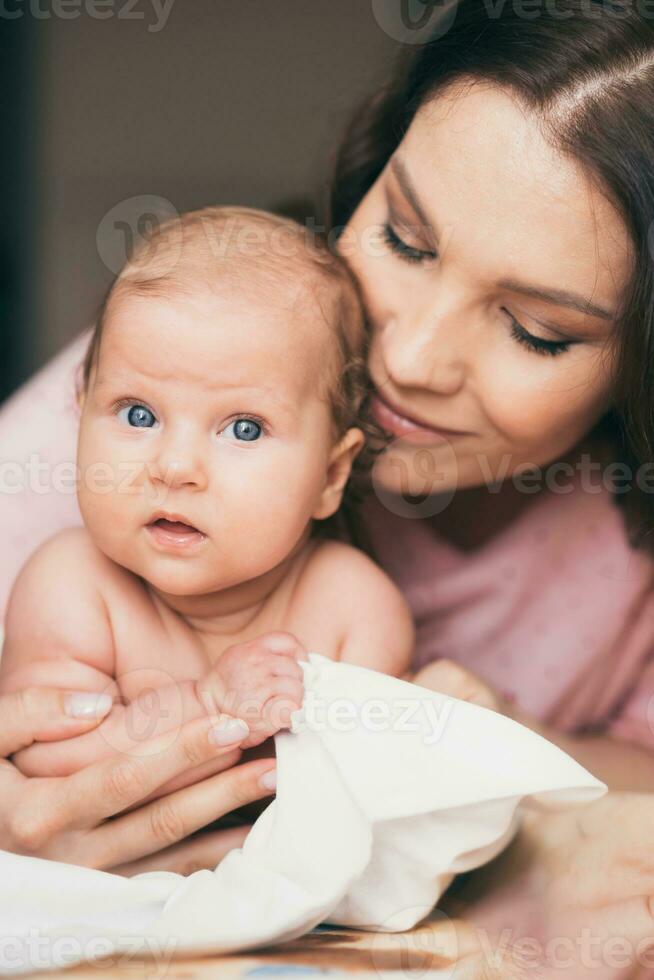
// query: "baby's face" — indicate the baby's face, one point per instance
point(205, 440)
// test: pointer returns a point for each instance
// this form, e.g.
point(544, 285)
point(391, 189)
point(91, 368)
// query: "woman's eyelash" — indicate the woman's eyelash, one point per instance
point(537, 344)
point(522, 336)
point(400, 247)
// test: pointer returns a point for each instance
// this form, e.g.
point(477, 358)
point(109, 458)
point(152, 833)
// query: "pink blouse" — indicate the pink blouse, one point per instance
point(556, 611)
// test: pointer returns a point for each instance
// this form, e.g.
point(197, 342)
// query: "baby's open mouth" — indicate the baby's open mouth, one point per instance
point(177, 527)
point(174, 533)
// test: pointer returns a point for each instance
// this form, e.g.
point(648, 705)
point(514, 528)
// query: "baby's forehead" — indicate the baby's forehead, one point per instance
point(219, 334)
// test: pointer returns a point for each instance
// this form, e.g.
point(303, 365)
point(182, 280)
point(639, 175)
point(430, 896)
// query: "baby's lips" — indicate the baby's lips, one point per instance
point(175, 523)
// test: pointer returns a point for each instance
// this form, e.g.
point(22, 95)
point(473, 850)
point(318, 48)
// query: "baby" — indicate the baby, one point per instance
point(221, 394)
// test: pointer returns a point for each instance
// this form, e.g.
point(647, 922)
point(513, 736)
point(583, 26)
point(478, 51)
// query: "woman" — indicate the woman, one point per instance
point(495, 204)
point(508, 173)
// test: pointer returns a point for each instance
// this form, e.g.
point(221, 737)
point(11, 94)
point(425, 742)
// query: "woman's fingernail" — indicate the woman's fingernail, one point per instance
point(87, 704)
point(268, 780)
point(228, 732)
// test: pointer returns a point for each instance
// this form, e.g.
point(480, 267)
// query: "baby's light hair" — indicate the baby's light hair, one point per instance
point(271, 257)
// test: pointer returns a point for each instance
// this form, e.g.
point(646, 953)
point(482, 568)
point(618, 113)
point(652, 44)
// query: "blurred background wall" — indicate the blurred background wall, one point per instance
point(191, 101)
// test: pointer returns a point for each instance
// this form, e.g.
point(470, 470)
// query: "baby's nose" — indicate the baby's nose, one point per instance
point(180, 464)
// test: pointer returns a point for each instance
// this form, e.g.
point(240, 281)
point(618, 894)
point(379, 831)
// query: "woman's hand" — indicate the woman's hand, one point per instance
point(572, 898)
point(73, 818)
point(449, 677)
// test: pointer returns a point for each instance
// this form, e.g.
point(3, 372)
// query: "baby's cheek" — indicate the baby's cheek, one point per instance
point(284, 512)
point(97, 472)
point(107, 504)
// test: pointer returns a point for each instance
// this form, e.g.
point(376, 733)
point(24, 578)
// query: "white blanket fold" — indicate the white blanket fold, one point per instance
point(385, 791)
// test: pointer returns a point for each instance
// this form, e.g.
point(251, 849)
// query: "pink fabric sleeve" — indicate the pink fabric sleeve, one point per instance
point(38, 434)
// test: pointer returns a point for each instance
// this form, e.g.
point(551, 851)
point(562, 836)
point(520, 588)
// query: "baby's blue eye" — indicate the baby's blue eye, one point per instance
point(245, 430)
point(138, 416)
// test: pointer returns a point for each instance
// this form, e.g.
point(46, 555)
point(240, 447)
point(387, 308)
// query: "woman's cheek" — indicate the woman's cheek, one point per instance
point(386, 288)
point(375, 268)
point(541, 412)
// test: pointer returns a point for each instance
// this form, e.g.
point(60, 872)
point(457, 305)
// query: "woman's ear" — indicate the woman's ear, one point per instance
point(338, 473)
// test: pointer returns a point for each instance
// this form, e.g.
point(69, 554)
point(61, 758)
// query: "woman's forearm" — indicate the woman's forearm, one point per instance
point(623, 766)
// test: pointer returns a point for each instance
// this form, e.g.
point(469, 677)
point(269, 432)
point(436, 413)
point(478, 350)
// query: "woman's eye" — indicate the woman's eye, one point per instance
point(400, 247)
point(245, 430)
point(137, 416)
point(537, 344)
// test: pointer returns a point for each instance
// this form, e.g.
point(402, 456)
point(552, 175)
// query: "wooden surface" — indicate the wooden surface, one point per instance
point(327, 950)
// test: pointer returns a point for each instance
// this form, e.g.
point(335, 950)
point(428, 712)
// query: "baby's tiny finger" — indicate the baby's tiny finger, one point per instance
point(286, 645)
point(277, 713)
point(292, 689)
point(287, 667)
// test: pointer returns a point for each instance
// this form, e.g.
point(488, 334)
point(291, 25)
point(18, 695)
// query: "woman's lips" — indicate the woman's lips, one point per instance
point(392, 420)
point(174, 534)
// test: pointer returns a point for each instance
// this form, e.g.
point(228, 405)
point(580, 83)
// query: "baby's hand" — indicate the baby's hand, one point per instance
point(259, 681)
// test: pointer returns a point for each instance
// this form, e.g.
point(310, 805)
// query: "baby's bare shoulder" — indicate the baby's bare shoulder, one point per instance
point(350, 596)
point(69, 558)
point(57, 604)
point(349, 569)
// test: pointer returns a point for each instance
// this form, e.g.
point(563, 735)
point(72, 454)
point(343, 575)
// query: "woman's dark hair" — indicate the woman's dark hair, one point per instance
point(586, 67)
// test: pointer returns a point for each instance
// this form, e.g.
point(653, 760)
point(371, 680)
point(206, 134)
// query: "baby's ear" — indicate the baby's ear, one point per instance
point(80, 387)
point(338, 473)
point(80, 396)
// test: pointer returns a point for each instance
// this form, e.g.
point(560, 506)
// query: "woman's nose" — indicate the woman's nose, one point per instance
point(426, 350)
point(179, 461)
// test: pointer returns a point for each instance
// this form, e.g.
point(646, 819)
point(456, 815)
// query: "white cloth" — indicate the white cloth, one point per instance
point(385, 791)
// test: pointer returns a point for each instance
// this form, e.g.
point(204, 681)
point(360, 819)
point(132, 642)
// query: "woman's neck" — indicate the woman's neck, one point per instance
point(476, 515)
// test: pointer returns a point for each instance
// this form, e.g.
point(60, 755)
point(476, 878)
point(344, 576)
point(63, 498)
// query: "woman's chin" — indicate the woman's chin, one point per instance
point(414, 474)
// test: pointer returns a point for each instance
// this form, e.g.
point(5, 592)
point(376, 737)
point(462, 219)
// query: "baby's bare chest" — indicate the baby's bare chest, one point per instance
point(155, 646)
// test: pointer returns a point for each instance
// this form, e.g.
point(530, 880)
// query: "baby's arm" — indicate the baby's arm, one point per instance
point(366, 620)
point(58, 632)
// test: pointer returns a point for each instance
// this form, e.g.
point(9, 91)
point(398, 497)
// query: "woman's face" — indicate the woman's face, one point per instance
point(491, 270)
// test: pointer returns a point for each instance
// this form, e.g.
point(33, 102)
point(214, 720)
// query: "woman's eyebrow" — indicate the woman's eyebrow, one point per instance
point(406, 184)
point(560, 297)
